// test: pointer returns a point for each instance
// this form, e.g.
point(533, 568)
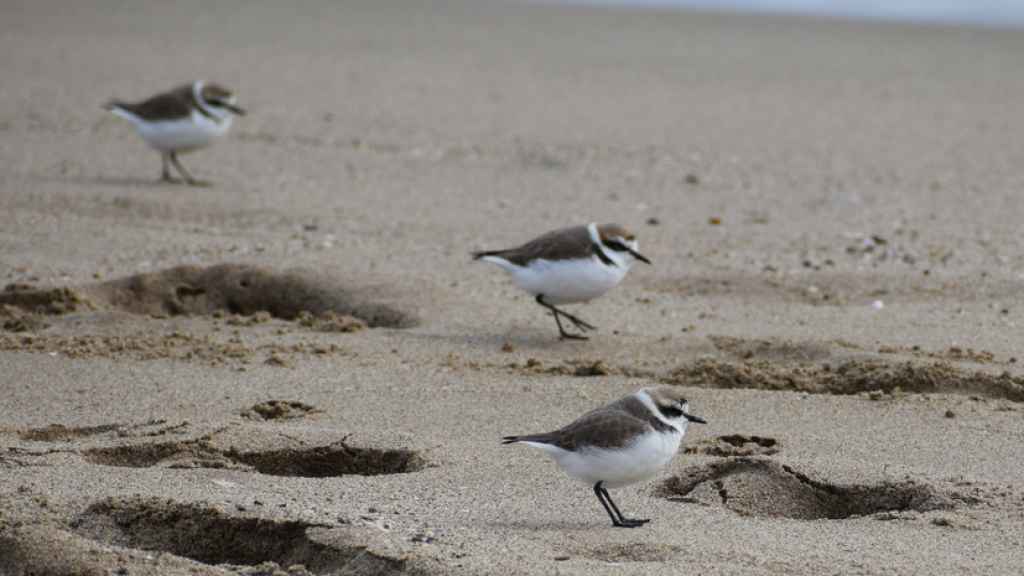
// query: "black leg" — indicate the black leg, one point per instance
point(618, 520)
point(583, 326)
point(165, 174)
point(629, 522)
point(566, 335)
point(600, 496)
point(577, 322)
point(184, 173)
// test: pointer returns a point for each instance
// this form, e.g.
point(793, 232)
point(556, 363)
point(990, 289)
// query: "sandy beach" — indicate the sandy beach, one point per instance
point(299, 370)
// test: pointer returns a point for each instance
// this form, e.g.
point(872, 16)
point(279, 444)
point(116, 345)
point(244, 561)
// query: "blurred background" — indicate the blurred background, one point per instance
point(985, 12)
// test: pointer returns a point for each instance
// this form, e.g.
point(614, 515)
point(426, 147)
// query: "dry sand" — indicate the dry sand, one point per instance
point(161, 415)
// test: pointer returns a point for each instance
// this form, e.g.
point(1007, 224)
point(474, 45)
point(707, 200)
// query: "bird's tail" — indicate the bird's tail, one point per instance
point(119, 108)
point(112, 105)
point(536, 438)
point(483, 253)
point(496, 257)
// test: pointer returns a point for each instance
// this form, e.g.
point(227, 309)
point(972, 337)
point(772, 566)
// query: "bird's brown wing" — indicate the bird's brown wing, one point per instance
point(563, 244)
point(599, 429)
point(167, 106)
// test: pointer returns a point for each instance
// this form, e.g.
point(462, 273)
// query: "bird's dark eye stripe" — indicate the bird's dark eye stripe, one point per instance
point(670, 411)
point(616, 245)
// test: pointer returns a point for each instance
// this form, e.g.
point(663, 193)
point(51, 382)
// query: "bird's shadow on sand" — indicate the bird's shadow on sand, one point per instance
point(521, 340)
point(541, 525)
point(130, 182)
point(133, 182)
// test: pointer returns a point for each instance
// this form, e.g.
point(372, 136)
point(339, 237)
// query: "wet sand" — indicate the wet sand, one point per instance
point(299, 369)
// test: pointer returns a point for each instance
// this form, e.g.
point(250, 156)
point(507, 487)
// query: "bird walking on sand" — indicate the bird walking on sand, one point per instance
point(181, 120)
point(569, 265)
point(627, 441)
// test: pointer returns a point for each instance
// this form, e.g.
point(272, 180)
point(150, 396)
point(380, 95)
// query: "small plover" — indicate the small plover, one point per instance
point(181, 120)
point(627, 441)
point(569, 265)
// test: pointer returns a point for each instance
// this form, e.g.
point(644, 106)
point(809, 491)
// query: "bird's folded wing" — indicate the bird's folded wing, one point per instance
point(600, 429)
point(167, 106)
point(564, 244)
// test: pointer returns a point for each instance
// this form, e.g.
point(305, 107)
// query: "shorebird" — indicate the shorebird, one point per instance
point(569, 265)
point(627, 441)
point(181, 120)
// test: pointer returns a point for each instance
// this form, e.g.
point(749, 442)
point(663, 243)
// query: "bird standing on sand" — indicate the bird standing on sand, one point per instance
point(181, 120)
point(627, 441)
point(569, 265)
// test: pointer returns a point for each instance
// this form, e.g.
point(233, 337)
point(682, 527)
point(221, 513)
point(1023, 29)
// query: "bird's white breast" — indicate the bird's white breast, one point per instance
point(567, 281)
point(182, 134)
point(635, 462)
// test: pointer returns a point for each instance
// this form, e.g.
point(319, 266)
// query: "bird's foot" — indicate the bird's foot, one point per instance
point(631, 522)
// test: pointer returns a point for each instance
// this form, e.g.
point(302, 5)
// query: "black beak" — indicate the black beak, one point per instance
point(639, 256)
point(696, 419)
point(233, 108)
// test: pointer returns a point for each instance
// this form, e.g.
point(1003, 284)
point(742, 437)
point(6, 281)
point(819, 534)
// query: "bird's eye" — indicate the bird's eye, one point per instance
point(671, 411)
point(616, 245)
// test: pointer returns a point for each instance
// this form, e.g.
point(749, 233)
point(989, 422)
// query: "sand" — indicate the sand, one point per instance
point(299, 369)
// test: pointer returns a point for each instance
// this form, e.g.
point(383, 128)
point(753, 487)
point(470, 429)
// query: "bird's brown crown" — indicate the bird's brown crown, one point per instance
point(610, 231)
point(213, 92)
point(667, 395)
